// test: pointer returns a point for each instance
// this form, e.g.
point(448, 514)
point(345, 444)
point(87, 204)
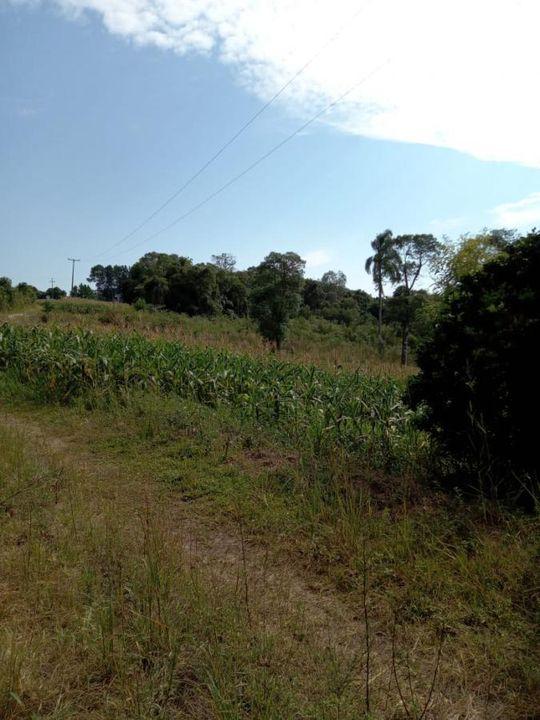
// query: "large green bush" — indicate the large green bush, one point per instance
point(13, 297)
point(480, 376)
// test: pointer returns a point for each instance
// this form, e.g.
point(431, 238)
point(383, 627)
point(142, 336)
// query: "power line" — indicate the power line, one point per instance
point(257, 162)
point(238, 133)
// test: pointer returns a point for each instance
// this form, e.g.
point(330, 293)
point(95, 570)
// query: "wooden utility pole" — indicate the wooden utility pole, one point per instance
point(73, 261)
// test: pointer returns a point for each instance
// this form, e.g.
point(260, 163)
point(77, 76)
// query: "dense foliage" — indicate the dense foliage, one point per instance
point(275, 291)
point(272, 292)
point(175, 283)
point(479, 376)
point(329, 298)
point(11, 297)
point(469, 255)
point(276, 294)
point(109, 280)
point(83, 291)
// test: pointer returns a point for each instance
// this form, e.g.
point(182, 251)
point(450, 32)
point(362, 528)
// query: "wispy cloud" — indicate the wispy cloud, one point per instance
point(461, 74)
point(440, 226)
point(27, 108)
point(22, 107)
point(316, 259)
point(524, 213)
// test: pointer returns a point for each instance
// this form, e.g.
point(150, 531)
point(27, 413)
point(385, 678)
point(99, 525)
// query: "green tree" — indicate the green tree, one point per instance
point(469, 255)
point(383, 265)
point(335, 278)
point(194, 290)
point(405, 309)
point(6, 293)
point(233, 293)
point(416, 253)
point(276, 294)
point(10, 296)
point(84, 291)
point(333, 284)
point(26, 293)
point(224, 261)
point(313, 295)
point(479, 383)
point(156, 289)
point(150, 278)
point(109, 280)
point(55, 293)
point(174, 282)
point(331, 299)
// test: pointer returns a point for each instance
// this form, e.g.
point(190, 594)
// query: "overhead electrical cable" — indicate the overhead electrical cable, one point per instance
point(257, 162)
point(346, 25)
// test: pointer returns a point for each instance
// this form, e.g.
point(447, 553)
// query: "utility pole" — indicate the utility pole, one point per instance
point(73, 261)
point(52, 283)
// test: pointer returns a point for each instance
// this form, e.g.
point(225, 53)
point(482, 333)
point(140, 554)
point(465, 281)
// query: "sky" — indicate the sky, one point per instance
point(420, 117)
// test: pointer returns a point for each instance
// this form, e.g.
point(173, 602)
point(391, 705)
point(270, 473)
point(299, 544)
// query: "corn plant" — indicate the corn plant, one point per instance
point(360, 413)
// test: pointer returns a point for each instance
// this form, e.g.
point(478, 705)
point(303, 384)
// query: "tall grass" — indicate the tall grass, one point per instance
point(309, 340)
point(106, 617)
point(362, 414)
point(131, 630)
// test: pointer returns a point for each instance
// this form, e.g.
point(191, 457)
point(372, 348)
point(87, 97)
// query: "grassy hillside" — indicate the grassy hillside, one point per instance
point(313, 341)
point(190, 533)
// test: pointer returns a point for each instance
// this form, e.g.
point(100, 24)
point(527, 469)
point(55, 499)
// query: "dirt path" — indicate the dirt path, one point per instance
point(17, 315)
point(225, 552)
point(273, 584)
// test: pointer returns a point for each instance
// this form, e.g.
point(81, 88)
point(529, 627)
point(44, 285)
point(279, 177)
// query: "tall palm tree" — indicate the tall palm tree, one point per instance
point(384, 264)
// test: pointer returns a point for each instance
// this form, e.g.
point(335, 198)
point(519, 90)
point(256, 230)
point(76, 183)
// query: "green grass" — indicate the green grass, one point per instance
point(435, 563)
point(326, 482)
point(309, 341)
point(106, 619)
point(361, 414)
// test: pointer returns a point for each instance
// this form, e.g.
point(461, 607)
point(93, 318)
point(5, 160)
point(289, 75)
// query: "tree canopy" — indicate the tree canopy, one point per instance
point(469, 255)
point(276, 293)
point(478, 375)
point(383, 265)
point(109, 280)
point(224, 261)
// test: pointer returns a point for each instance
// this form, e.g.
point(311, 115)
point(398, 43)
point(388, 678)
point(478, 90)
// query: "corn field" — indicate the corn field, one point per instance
point(362, 414)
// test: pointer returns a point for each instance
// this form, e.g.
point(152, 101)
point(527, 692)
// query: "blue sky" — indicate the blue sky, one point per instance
point(104, 114)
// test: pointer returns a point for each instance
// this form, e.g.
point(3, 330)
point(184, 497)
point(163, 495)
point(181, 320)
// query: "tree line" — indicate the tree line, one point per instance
point(275, 291)
point(272, 293)
point(477, 384)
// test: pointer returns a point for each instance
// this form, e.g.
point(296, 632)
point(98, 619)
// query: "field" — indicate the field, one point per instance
point(194, 527)
point(316, 342)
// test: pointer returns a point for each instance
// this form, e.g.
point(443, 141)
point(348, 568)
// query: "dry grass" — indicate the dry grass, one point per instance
point(163, 559)
point(108, 609)
point(313, 342)
point(213, 595)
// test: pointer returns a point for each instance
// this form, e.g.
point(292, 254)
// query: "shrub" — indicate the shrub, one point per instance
point(479, 379)
point(140, 304)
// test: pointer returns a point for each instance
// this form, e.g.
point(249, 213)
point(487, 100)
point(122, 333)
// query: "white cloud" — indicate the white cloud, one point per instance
point(441, 226)
point(316, 259)
point(523, 213)
point(463, 74)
